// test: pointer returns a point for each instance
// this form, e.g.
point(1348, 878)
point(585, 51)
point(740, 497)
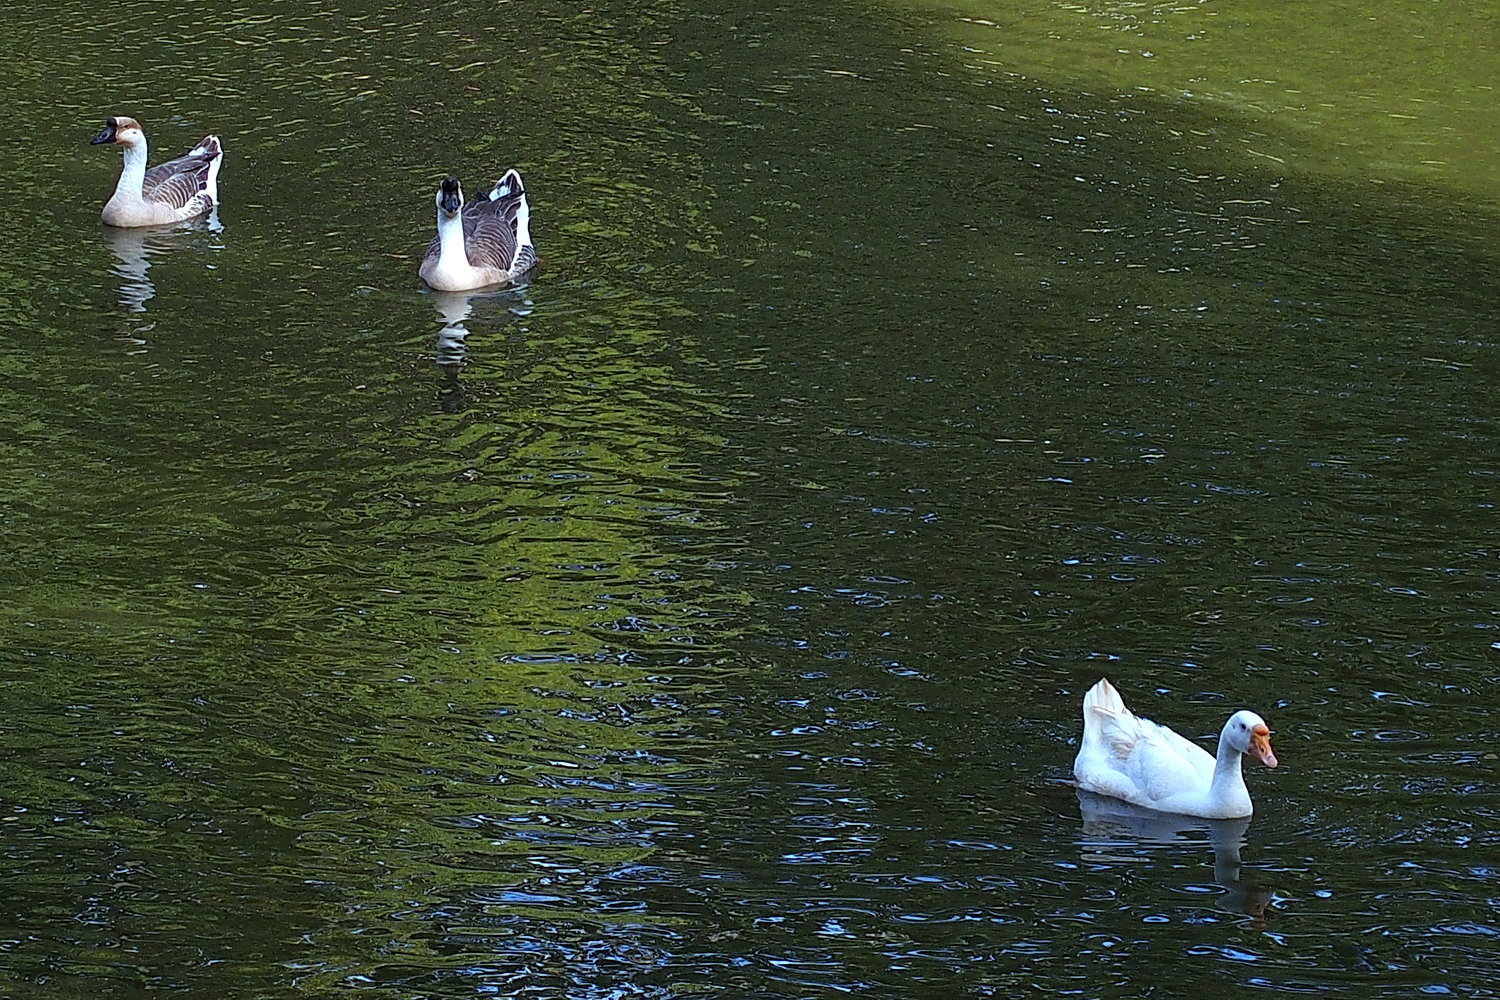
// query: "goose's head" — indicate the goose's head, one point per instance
point(450, 198)
point(1248, 733)
point(121, 130)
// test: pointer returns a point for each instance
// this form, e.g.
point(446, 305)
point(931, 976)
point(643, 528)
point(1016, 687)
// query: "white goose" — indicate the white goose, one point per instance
point(486, 242)
point(1127, 757)
point(169, 192)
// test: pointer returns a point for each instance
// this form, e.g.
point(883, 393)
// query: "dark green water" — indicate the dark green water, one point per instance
point(713, 619)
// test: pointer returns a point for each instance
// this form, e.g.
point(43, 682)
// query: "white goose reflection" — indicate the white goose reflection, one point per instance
point(1111, 824)
point(136, 245)
point(452, 349)
point(452, 339)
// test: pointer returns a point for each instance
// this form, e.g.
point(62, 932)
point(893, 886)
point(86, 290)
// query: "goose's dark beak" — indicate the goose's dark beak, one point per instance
point(450, 196)
point(108, 135)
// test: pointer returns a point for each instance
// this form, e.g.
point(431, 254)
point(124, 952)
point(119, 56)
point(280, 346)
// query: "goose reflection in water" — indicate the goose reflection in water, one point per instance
point(1110, 824)
point(451, 353)
point(135, 246)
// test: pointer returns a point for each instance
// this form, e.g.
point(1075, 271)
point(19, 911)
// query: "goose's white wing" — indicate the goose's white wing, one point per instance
point(1135, 759)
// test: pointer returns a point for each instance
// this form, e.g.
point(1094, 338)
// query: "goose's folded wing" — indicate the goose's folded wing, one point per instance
point(176, 182)
point(490, 236)
point(1150, 758)
point(1200, 759)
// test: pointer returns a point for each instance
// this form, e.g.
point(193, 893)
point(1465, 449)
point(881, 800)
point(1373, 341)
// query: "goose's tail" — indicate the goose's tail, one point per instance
point(208, 146)
point(509, 186)
point(1102, 697)
point(212, 150)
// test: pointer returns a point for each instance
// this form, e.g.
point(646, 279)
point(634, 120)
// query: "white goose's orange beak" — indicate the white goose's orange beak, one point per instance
point(1260, 745)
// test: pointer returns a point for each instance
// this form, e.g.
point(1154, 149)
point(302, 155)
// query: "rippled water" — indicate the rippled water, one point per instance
point(1367, 91)
point(711, 615)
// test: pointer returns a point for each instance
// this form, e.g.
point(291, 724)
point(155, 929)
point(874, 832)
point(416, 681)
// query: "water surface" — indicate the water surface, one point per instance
point(1365, 91)
point(711, 615)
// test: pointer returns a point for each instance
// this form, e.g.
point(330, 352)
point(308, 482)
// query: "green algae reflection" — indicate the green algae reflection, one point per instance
point(1366, 89)
point(309, 678)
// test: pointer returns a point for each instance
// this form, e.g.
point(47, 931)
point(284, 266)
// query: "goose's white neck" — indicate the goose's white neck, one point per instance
point(133, 176)
point(452, 257)
point(1227, 792)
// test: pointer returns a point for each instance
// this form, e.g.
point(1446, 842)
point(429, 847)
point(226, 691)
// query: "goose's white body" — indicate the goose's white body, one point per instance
point(483, 243)
point(178, 189)
point(1126, 757)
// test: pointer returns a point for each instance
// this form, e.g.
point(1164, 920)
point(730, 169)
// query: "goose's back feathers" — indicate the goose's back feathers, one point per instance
point(176, 183)
point(1131, 758)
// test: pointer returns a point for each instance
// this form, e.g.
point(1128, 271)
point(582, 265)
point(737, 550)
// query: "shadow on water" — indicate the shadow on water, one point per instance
point(1113, 831)
point(451, 353)
point(134, 248)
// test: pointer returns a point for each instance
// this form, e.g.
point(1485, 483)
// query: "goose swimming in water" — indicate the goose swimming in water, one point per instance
point(484, 242)
point(169, 192)
point(1127, 757)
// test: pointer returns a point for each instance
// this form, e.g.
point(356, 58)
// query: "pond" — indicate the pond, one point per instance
point(711, 615)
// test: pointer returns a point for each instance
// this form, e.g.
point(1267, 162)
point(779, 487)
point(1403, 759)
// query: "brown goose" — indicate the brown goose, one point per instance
point(486, 242)
point(169, 192)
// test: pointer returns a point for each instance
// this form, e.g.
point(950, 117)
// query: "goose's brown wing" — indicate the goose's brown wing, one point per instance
point(490, 233)
point(177, 182)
